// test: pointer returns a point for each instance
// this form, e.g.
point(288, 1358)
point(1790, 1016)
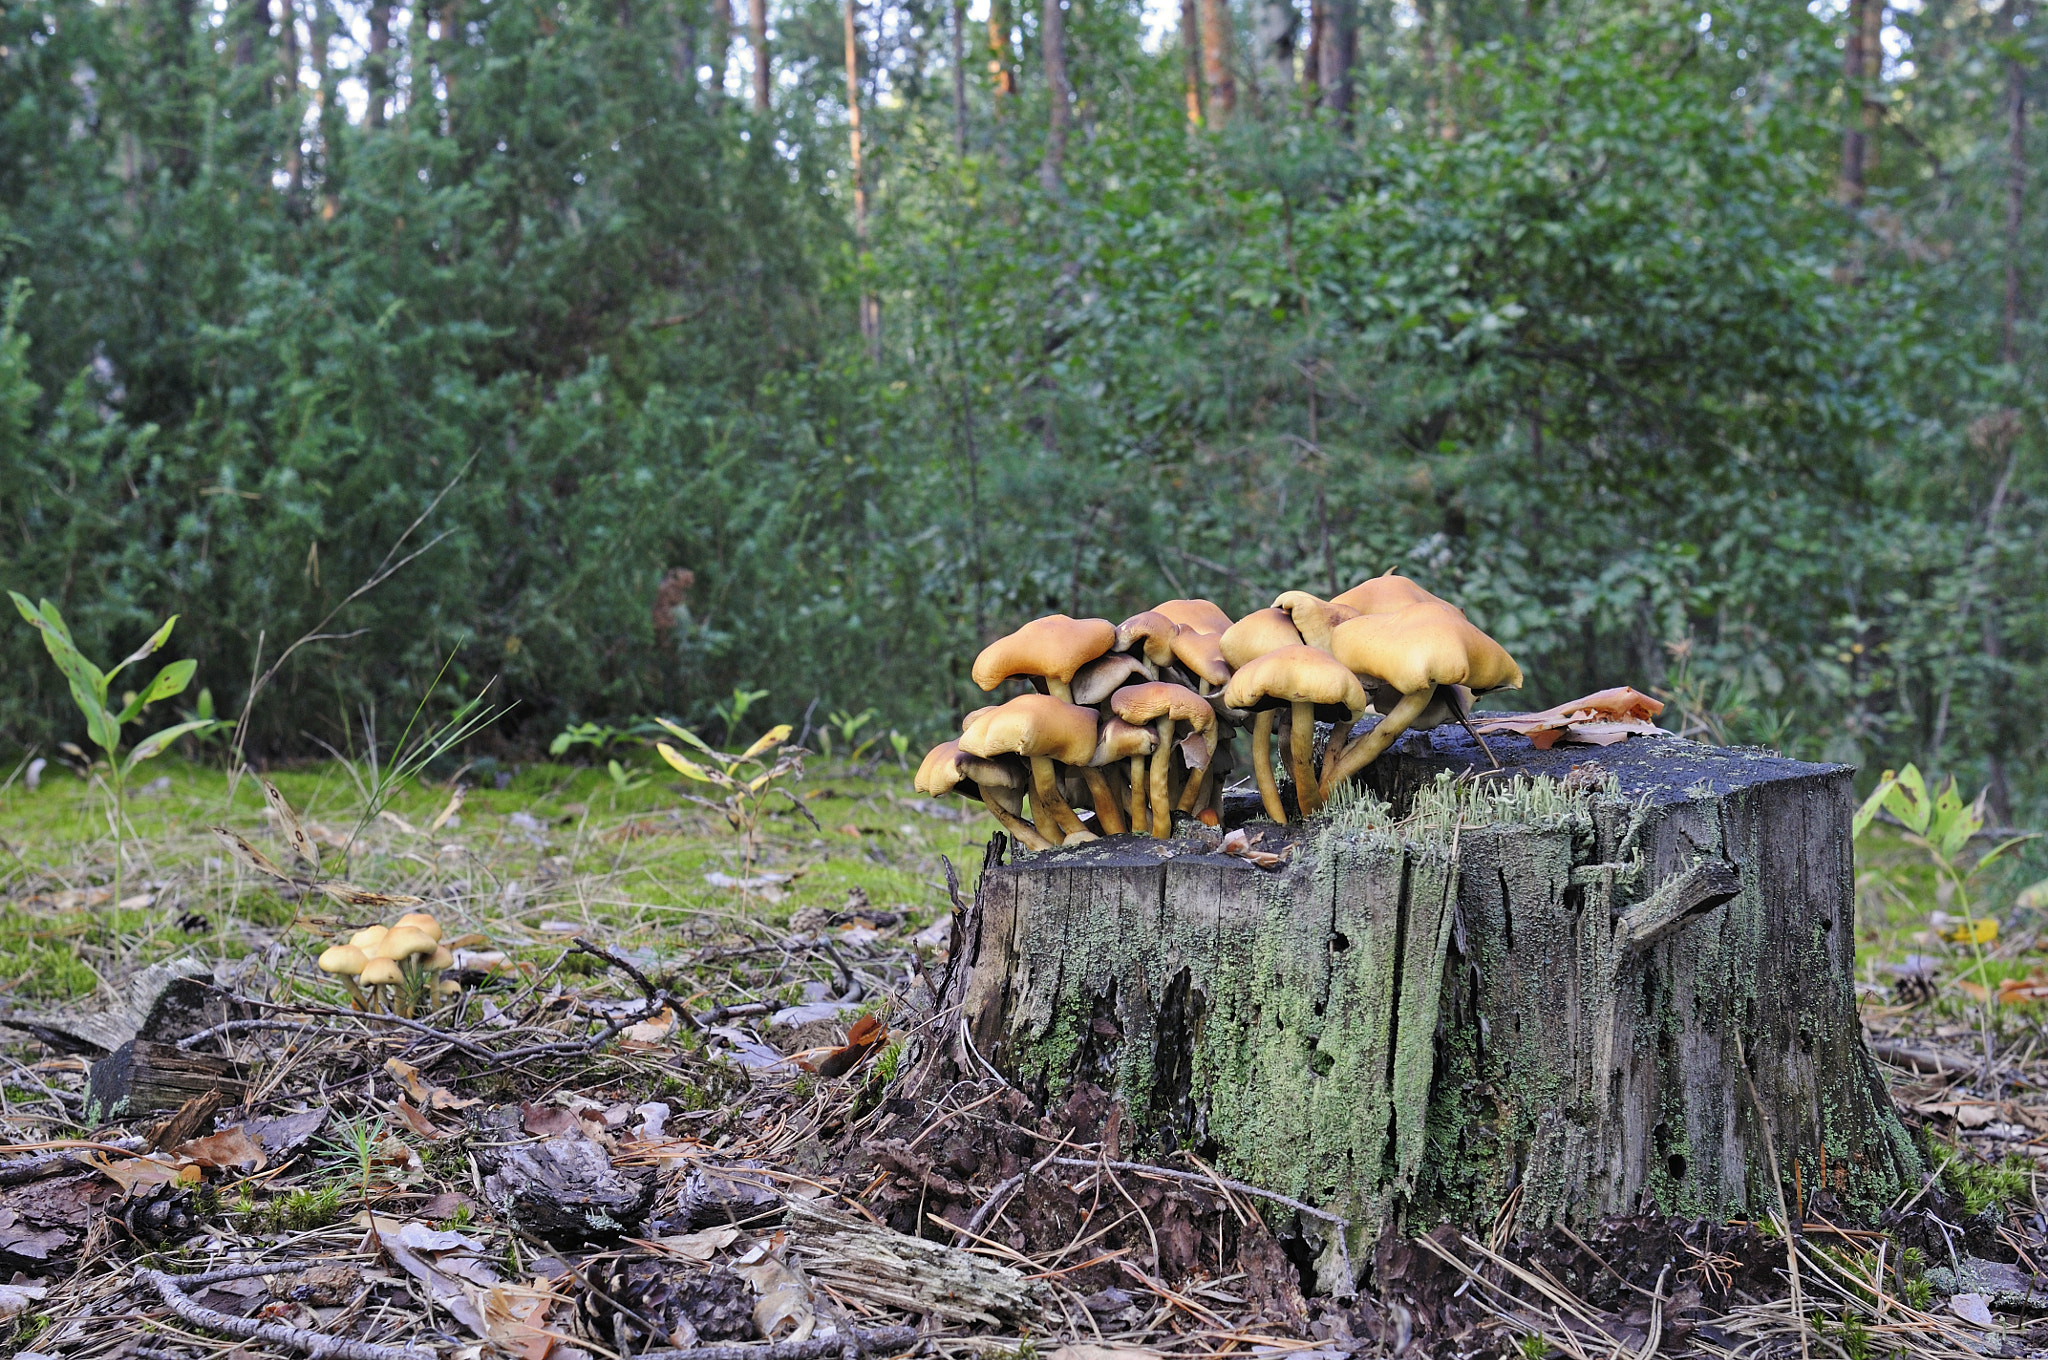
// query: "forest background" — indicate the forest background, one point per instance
point(806, 347)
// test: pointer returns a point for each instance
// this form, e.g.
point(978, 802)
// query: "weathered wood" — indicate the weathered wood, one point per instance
point(144, 1077)
point(1411, 1022)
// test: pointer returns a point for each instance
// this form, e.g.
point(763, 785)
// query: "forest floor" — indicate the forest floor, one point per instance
point(662, 1113)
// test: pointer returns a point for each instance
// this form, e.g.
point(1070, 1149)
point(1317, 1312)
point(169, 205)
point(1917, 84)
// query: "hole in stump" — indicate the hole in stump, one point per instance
point(1675, 1164)
point(1339, 942)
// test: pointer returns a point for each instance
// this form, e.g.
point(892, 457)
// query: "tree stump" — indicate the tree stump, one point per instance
point(1565, 996)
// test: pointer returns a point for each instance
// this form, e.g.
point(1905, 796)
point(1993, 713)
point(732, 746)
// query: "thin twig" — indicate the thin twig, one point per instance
point(319, 1345)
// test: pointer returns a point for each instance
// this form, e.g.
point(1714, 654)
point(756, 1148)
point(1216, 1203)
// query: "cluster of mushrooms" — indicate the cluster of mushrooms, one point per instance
point(1137, 719)
point(392, 967)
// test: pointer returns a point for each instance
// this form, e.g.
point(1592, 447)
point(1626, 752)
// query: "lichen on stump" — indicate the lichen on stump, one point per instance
point(1457, 989)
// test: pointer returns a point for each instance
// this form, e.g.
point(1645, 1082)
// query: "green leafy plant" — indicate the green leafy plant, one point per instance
point(849, 725)
point(733, 711)
point(746, 780)
point(1942, 824)
point(103, 723)
point(624, 780)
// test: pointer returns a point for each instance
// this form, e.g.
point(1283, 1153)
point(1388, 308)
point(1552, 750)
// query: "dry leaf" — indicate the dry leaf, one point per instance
point(288, 822)
point(784, 1300)
point(137, 1173)
point(230, 1149)
point(1598, 719)
point(1239, 844)
point(415, 1121)
point(248, 854)
point(865, 1036)
point(1974, 1309)
point(441, 819)
point(408, 1076)
point(696, 1246)
point(351, 895)
point(648, 1033)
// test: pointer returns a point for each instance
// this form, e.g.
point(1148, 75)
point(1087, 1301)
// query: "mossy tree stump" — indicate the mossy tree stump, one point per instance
point(1458, 997)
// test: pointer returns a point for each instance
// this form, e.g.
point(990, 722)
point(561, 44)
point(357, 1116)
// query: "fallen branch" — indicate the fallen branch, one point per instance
point(882, 1339)
point(319, 1345)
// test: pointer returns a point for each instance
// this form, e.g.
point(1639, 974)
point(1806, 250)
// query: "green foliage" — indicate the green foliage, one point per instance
point(1987, 1185)
point(1566, 321)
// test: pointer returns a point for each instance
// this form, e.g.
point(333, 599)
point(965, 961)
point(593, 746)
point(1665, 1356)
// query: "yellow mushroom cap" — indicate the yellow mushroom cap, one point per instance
point(1201, 615)
point(380, 973)
point(1201, 654)
point(1314, 617)
point(1153, 630)
point(442, 957)
point(1120, 740)
point(343, 960)
point(1162, 699)
point(369, 937)
point(1386, 593)
point(1426, 644)
point(939, 771)
point(1259, 632)
point(1054, 647)
point(419, 921)
point(1035, 725)
point(404, 943)
point(1295, 675)
point(1105, 675)
point(977, 715)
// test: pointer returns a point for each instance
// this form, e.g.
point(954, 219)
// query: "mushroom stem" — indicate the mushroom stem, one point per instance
point(1156, 795)
point(1465, 721)
point(1107, 814)
point(1041, 816)
point(1340, 734)
point(1045, 791)
point(1007, 806)
point(1140, 813)
point(1119, 786)
point(1301, 749)
point(1059, 689)
point(1363, 752)
point(355, 993)
point(1262, 764)
point(1191, 793)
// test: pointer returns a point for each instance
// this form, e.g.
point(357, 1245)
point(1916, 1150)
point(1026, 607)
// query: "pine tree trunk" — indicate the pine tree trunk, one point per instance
point(1191, 59)
point(1218, 49)
point(1278, 23)
point(1854, 141)
point(959, 40)
point(1336, 50)
point(1052, 34)
point(1002, 57)
point(1572, 1003)
point(377, 75)
point(757, 36)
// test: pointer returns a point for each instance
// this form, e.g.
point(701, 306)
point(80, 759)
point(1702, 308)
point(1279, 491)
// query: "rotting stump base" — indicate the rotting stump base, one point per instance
point(1544, 1000)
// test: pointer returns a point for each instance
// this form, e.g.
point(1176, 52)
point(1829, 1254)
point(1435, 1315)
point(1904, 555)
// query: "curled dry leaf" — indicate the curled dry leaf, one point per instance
point(1598, 719)
point(303, 846)
point(446, 814)
point(350, 895)
point(1239, 844)
point(230, 1149)
point(863, 1037)
point(783, 1312)
point(248, 854)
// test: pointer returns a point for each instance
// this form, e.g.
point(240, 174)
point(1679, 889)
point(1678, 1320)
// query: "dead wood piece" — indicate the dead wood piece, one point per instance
point(158, 1003)
point(1920, 1058)
point(144, 1077)
point(880, 1341)
point(565, 1191)
point(194, 1117)
point(319, 1345)
point(874, 1265)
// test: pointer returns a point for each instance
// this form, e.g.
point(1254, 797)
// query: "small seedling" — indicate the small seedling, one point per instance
point(745, 779)
point(734, 711)
point(103, 724)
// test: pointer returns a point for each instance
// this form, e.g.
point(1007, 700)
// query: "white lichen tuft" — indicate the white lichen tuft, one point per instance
point(1442, 807)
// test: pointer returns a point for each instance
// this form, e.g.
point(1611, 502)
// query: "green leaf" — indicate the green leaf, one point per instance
point(153, 745)
point(168, 683)
point(1909, 801)
point(691, 737)
point(1868, 812)
point(156, 640)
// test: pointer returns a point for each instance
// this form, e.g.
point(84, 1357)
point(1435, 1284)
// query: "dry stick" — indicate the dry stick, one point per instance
point(1777, 1184)
point(316, 1344)
point(883, 1339)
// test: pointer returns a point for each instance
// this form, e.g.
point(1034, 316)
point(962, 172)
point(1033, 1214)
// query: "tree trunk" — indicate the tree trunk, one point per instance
point(1574, 1000)
point(1278, 23)
point(1052, 35)
point(757, 37)
point(377, 72)
point(870, 307)
point(1219, 49)
point(1859, 54)
point(1002, 57)
point(288, 94)
point(959, 37)
point(1997, 788)
point(1191, 60)
point(1336, 51)
point(721, 43)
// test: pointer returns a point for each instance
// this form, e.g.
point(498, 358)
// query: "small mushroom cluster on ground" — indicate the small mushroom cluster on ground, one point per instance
point(1137, 721)
point(396, 968)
